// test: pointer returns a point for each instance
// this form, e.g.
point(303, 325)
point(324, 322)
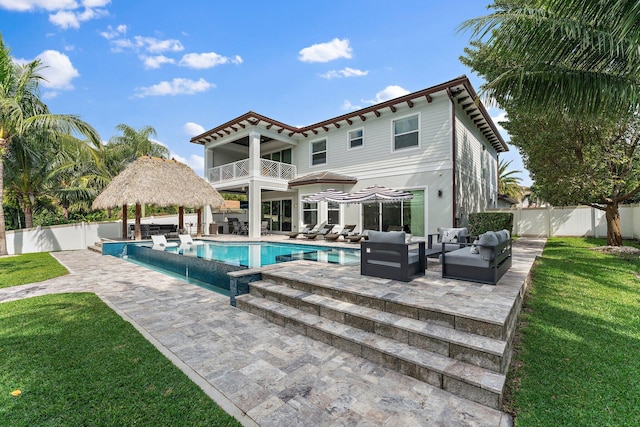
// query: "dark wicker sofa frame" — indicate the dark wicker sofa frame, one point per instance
point(456, 268)
point(391, 260)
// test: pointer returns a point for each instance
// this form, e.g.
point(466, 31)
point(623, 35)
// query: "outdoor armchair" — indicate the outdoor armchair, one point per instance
point(387, 255)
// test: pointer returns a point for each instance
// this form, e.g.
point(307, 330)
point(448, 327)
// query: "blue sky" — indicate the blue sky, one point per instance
point(185, 67)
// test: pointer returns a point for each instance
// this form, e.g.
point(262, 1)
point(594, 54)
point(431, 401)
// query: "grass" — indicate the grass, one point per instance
point(29, 268)
point(577, 358)
point(78, 363)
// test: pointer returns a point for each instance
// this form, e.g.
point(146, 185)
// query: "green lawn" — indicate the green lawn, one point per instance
point(578, 352)
point(78, 363)
point(29, 268)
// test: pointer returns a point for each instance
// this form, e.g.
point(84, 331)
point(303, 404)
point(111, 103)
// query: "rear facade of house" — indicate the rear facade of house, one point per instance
point(438, 143)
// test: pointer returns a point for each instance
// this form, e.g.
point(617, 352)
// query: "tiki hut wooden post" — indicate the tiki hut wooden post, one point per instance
point(137, 227)
point(180, 218)
point(156, 181)
point(125, 226)
point(199, 215)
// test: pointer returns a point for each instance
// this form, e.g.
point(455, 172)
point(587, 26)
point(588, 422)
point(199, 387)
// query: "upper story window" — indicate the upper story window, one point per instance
point(356, 138)
point(405, 132)
point(319, 152)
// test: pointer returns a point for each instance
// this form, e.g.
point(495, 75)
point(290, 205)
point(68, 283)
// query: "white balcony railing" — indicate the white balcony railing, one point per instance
point(240, 169)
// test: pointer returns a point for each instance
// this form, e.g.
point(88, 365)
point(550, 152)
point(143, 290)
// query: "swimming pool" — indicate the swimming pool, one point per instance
point(208, 265)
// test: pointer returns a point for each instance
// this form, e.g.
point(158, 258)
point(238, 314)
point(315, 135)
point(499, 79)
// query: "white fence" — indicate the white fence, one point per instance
point(580, 221)
point(76, 236)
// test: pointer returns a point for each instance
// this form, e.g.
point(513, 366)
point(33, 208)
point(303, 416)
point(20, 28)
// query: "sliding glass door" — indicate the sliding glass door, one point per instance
point(278, 214)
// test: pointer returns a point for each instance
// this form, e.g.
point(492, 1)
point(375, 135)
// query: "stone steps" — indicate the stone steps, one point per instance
point(469, 381)
point(96, 247)
point(485, 352)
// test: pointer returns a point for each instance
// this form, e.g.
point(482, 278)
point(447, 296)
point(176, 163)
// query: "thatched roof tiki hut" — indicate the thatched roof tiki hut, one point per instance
point(152, 180)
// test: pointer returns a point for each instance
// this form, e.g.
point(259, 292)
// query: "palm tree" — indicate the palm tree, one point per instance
point(508, 182)
point(579, 56)
point(135, 143)
point(23, 115)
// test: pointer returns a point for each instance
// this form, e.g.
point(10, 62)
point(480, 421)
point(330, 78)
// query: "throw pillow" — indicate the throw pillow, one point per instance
point(488, 241)
point(449, 236)
point(474, 247)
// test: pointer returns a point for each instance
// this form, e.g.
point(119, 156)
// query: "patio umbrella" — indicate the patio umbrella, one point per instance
point(153, 180)
point(376, 193)
point(330, 195)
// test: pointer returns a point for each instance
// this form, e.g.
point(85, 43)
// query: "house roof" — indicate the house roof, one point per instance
point(324, 177)
point(458, 89)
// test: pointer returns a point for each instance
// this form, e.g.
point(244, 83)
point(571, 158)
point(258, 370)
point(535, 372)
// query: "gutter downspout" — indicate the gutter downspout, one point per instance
point(454, 156)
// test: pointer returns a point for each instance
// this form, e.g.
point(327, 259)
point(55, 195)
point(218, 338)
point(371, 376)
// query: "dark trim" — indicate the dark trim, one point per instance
point(453, 155)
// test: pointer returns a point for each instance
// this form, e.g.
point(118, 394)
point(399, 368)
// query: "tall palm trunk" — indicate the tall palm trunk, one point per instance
point(614, 234)
point(3, 228)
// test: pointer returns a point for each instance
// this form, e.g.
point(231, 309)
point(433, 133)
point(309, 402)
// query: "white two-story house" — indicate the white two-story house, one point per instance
point(438, 143)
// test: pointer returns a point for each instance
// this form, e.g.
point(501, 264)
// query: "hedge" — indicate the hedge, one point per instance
point(482, 222)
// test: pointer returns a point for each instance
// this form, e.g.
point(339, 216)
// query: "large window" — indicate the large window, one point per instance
point(356, 138)
point(407, 215)
point(310, 213)
point(405, 132)
point(319, 152)
point(333, 213)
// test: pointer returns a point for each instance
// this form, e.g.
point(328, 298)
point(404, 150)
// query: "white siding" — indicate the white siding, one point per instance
point(475, 192)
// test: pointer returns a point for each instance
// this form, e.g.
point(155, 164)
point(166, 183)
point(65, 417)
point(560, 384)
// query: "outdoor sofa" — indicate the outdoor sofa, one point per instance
point(386, 254)
point(447, 239)
point(485, 261)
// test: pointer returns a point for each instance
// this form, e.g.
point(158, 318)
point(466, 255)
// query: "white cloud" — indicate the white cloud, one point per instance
point(139, 43)
point(387, 93)
point(58, 70)
point(50, 94)
point(95, 3)
point(194, 161)
point(348, 106)
point(192, 129)
point(32, 5)
point(72, 19)
point(325, 52)
point(345, 72)
point(153, 62)
point(501, 117)
point(206, 60)
point(112, 33)
point(177, 86)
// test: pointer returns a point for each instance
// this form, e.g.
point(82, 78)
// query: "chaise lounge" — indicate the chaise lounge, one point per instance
point(484, 261)
point(323, 231)
point(344, 233)
point(387, 255)
point(308, 228)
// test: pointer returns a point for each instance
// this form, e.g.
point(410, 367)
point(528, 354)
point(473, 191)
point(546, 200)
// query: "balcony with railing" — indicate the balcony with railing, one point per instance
point(240, 170)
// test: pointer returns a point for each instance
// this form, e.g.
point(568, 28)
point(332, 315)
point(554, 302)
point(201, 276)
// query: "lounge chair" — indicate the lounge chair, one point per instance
point(323, 231)
point(264, 228)
point(346, 231)
point(160, 242)
point(355, 238)
point(186, 240)
point(308, 228)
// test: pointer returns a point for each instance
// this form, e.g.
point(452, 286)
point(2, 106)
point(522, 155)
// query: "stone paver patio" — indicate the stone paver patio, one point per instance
point(257, 371)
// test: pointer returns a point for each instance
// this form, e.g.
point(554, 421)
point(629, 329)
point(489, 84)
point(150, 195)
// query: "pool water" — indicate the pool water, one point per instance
point(208, 265)
point(259, 254)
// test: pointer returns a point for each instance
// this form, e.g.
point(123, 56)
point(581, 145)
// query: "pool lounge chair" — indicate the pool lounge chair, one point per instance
point(160, 242)
point(308, 228)
point(355, 238)
point(346, 231)
point(186, 240)
point(323, 231)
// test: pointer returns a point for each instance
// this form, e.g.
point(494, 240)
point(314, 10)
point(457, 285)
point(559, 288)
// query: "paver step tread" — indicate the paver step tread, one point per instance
point(477, 342)
point(482, 378)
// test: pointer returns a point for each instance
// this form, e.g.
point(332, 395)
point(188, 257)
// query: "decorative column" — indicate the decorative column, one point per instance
point(254, 197)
